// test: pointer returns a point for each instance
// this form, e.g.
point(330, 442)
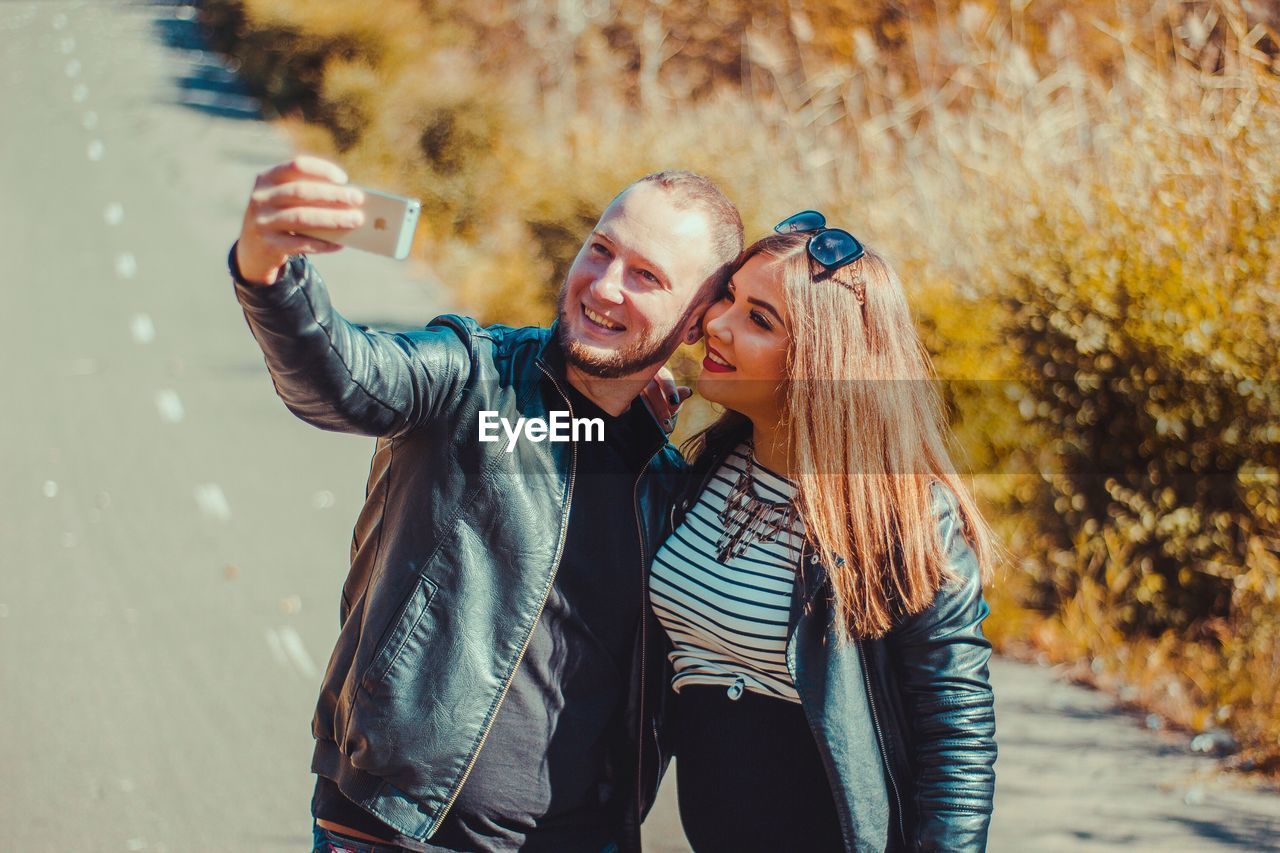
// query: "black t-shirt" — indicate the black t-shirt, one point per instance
point(537, 783)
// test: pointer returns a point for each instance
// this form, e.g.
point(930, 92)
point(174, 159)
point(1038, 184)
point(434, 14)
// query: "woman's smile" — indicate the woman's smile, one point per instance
point(715, 362)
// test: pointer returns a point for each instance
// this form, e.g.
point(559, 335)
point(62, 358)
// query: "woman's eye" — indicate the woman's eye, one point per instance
point(599, 249)
point(648, 276)
point(761, 320)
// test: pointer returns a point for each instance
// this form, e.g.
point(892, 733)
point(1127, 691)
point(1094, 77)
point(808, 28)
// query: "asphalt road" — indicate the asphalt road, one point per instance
point(173, 542)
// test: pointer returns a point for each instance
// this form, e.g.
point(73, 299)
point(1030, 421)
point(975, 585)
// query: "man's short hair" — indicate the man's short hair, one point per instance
point(691, 190)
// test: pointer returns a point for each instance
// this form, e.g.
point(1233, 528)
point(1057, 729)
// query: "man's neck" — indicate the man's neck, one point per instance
point(612, 395)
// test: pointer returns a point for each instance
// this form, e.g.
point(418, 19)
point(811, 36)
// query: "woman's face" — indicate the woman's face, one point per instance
point(747, 338)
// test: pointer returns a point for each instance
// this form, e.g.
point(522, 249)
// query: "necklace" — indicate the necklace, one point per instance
point(747, 518)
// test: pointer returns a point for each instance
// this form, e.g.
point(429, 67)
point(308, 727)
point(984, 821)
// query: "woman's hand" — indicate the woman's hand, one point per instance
point(664, 398)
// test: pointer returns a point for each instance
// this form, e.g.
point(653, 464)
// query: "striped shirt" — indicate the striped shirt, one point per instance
point(728, 621)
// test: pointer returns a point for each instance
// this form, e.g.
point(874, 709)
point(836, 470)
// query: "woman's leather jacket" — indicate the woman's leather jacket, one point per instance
point(905, 724)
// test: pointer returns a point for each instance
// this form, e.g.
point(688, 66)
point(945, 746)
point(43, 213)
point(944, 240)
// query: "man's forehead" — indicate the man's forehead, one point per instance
point(657, 218)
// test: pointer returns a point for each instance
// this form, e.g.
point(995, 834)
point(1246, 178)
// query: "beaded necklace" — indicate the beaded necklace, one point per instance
point(747, 518)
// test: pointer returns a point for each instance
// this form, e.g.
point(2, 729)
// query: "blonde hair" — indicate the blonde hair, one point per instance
point(867, 437)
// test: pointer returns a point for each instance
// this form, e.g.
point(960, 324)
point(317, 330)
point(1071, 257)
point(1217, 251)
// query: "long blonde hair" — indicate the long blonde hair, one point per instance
point(867, 438)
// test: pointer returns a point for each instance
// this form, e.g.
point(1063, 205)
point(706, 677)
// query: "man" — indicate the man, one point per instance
point(497, 681)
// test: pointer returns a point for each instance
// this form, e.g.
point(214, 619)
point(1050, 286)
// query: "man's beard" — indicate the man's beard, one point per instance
point(647, 352)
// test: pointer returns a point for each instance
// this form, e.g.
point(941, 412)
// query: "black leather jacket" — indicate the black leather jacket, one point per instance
point(454, 551)
point(905, 724)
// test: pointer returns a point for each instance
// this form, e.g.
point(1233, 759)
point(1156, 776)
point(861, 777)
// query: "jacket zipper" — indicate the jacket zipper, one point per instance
point(875, 720)
point(555, 566)
point(644, 635)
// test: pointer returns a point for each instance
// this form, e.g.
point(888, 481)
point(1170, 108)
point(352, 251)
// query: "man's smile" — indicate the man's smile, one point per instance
point(602, 321)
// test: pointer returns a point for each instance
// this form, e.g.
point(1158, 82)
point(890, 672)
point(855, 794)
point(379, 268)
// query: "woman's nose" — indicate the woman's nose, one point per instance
point(714, 324)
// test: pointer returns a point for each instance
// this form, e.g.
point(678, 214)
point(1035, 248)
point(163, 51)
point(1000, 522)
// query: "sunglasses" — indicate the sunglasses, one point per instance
point(833, 248)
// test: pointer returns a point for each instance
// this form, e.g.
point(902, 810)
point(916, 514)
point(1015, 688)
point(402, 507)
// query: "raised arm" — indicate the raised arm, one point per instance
point(330, 372)
point(941, 656)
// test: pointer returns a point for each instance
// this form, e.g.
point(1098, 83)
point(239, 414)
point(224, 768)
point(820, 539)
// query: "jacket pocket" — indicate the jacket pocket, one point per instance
point(402, 628)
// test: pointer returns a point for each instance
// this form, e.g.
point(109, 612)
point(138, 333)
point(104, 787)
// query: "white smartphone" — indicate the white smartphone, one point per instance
point(389, 223)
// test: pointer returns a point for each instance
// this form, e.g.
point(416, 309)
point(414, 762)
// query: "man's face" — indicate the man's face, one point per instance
point(626, 301)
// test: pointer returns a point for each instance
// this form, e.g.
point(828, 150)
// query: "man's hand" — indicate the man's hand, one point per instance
point(664, 397)
point(304, 193)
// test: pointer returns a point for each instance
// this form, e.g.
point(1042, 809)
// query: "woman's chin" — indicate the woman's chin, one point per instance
point(715, 388)
point(706, 387)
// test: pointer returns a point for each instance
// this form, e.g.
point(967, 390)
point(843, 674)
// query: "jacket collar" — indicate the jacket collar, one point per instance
point(550, 355)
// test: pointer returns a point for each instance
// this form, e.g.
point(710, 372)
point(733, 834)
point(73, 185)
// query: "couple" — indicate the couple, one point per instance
point(527, 637)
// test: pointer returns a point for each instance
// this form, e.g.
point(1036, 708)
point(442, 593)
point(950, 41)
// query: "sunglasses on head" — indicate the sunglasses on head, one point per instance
point(833, 248)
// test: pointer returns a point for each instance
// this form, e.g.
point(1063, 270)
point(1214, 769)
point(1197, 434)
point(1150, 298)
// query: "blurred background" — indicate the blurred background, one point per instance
point(1083, 199)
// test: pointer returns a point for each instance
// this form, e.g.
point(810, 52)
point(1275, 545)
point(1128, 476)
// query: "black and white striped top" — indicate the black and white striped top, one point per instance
point(728, 621)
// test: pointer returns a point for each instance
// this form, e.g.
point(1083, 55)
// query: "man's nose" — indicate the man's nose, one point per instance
point(608, 287)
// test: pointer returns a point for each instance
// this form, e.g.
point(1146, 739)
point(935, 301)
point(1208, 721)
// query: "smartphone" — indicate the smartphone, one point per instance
point(389, 223)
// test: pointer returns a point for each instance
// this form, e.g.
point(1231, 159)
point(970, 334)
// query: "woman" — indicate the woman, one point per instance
point(822, 585)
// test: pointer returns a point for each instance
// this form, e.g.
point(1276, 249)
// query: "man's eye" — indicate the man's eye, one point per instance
point(648, 276)
point(599, 248)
